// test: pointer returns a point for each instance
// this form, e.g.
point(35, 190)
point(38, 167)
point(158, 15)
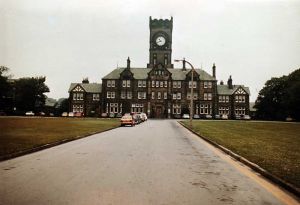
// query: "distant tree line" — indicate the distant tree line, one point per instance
point(20, 95)
point(280, 98)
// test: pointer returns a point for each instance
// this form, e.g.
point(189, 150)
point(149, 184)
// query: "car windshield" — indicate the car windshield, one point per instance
point(127, 117)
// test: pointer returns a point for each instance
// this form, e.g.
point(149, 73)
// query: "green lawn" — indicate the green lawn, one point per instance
point(275, 146)
point(20, 133)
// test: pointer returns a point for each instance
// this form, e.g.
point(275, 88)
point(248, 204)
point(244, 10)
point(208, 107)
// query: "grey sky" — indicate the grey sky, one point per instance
point(69, 40)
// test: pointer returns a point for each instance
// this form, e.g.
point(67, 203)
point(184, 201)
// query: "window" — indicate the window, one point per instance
point(152, 95)
point(108, 83)
point(77, 108)
point(205, 109)
point(240, 98)
point(110, 94)
point(165, 95)
point(207, 96)
point(135, 107)
point(161, 84)
point(224, 98)
point(153, 83)
point(96, 97)
point(123, 94)
point(129, 95)
point(126, 83)
point(176, 109)
point(77, 96)
point(178, 96)
point(195, 95)
point(157, 84)
point(194, 84)
point(113, 107)
point(111, 83)
point(240, 111)
point(159, 95)
point(176, 84)
point(223, 110)
point(166, 83)
point(207, 84)
point(141, 95)
point(141, 83)
point(174, 96)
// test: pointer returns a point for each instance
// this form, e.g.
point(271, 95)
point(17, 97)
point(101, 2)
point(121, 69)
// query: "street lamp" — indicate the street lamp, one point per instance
point(192, 90)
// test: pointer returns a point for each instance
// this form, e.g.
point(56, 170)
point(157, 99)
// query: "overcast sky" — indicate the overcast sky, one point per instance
point(72, 39)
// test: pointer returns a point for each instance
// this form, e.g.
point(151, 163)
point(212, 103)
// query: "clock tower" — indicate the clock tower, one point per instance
point(160, 51)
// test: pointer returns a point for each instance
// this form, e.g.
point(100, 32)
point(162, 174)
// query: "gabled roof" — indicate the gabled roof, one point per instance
point(142, 73)
point(224, 89)
point(88, 87)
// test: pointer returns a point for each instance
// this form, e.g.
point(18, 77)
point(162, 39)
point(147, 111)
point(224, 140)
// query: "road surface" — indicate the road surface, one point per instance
point(158, 162)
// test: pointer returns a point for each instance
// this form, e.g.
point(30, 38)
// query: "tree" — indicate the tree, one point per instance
point(280, 98)
point(5, 89)
point(30, 93)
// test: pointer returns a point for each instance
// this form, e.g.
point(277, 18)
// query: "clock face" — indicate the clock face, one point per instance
point(160, 40)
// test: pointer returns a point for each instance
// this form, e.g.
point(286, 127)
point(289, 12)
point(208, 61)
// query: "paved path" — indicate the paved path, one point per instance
point(157, 162)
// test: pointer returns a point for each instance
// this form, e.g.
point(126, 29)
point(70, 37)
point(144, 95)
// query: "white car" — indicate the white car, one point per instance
point(224, 117)
point(186, 116)
point(246, 117)
point(29, 113)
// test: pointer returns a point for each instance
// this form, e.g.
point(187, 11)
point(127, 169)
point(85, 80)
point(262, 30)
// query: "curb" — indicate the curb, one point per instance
point(250, 164)
point(46, 146)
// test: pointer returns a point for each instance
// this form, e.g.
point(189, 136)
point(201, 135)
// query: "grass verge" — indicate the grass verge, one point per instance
point(20, 133)
point(274, 146)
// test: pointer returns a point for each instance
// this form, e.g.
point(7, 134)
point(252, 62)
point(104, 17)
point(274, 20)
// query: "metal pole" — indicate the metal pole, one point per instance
point(192, 92)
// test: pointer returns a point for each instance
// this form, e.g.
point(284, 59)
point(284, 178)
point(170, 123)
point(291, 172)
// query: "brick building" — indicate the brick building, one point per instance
point(162, 91)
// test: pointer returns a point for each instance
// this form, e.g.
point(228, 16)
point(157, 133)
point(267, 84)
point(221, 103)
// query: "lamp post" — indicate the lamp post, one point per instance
point(192, 91)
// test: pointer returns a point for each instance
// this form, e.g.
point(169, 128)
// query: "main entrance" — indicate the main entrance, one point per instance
point(158, 111)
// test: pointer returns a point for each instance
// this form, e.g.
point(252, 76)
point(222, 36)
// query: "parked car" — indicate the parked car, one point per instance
point(29, 113)
point(119, 115)
point(127, 120)
point(177, 116)
point(64, 114)
point(196, 116)
point(289, 119)
point(137, 118)
point(246, 117)
point(41, 114)
point(224, 117)
point(71, 114)
point(237, 117)
point(186, 116)
point(111, 115)
point(217, 117)
point(144, 117)
point(78, 114)
point(104, 114)
point(208, 116)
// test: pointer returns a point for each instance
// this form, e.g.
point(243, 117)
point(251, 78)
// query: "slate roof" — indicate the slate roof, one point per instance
point(224, 89)
point(142, 73)
point(88, 87)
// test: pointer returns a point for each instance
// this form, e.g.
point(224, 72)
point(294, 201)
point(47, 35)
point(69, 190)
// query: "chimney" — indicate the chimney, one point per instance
point(183, 65)
point(221, 83)
point(214, 70)
point(229, 83)
point(85, 80)
point(128, 63)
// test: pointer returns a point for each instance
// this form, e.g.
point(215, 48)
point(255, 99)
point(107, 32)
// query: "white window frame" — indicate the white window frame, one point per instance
point(165, 95)
point(158, 95)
